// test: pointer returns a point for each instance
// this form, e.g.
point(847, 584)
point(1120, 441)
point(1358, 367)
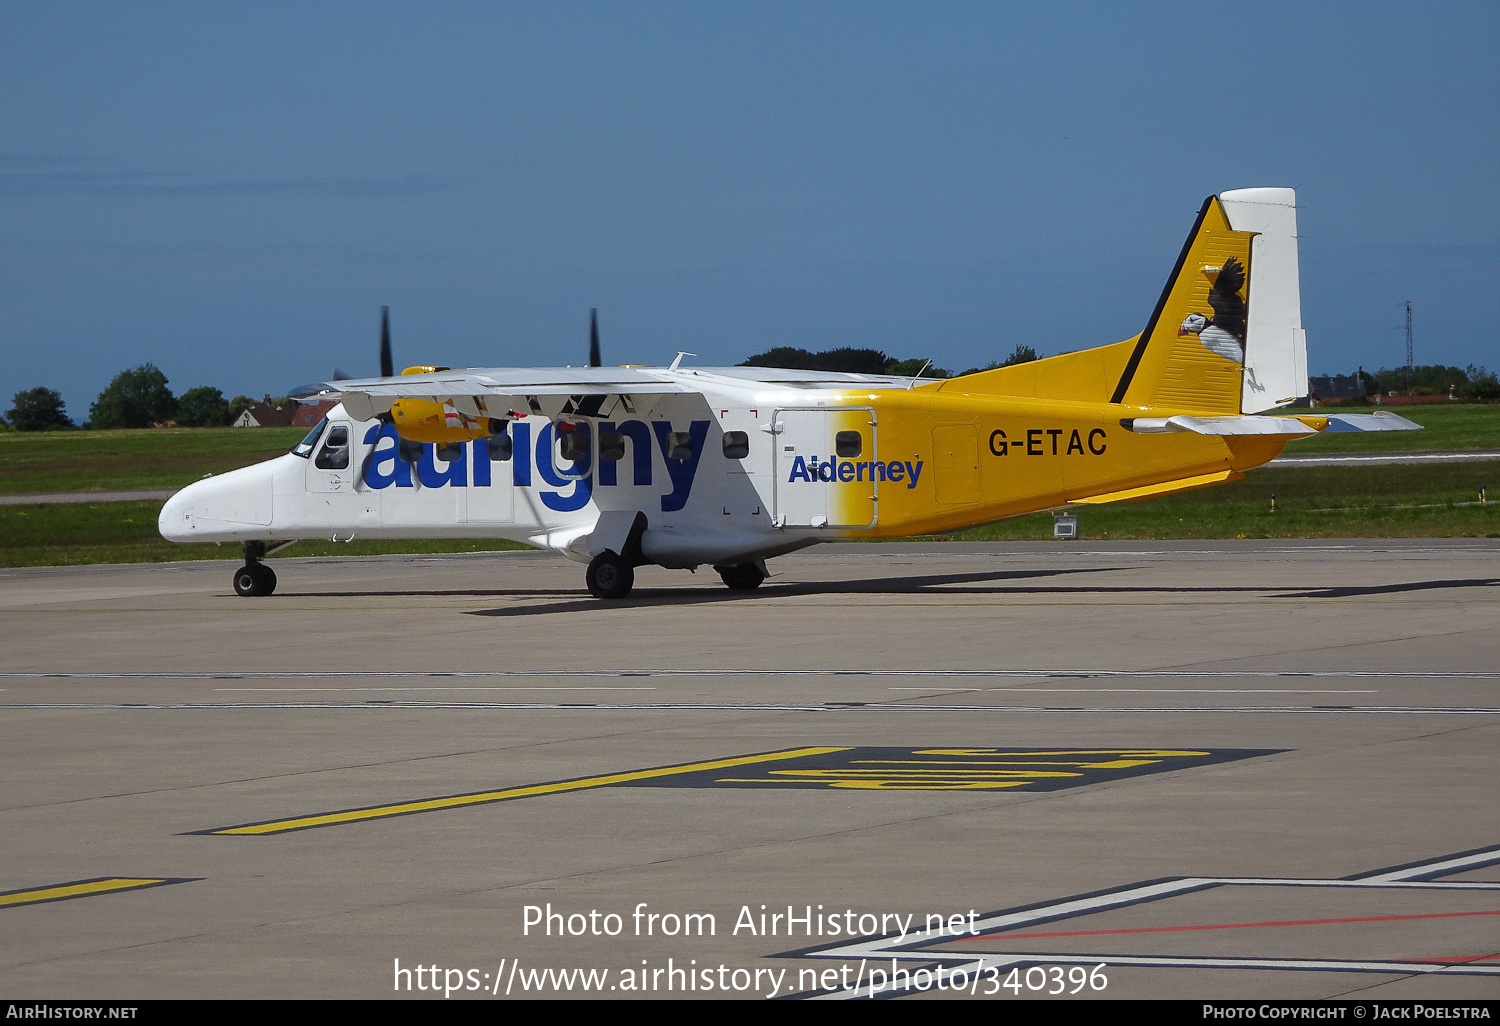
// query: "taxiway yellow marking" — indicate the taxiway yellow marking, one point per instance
point(964, 769)
point(485, 797)
point(78, 890)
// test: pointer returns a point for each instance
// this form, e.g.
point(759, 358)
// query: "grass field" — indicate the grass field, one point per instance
point(1398, 501)
point(1326, 502)
point(1445, 426)
point(100, 461)
point(125, 532)
point(93, 461)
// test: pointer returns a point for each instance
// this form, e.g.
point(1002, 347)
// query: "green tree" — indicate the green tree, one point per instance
point(913, 367)
point(785, 358)
point(202, 407)
point(853, 361)
point(134, 399)
point(1023, 354)
point(1482, 385)
point(238, 405)
point(38, 409)
point(845, 358)
point(1425, 379)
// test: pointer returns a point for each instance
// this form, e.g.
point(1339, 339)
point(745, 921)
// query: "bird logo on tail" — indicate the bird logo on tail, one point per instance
point(1223, 334)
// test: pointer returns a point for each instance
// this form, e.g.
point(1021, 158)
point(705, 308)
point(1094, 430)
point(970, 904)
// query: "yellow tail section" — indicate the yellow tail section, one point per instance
point(1191, 356)
point(1085, 377)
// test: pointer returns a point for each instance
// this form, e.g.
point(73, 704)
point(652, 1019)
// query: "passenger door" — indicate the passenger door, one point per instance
point(826, 467)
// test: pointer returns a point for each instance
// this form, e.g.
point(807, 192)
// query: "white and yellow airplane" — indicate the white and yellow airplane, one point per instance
point(730, 466)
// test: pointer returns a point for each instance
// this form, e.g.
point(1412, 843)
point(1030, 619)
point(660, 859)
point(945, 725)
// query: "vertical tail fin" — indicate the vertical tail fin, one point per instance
point(1226, 335)
point(1276, 351)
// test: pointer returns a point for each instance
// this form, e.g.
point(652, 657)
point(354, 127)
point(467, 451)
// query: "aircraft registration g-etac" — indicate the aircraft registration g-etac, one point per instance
point(729, 466)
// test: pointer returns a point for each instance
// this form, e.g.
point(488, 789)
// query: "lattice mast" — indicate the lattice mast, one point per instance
point(1408, 347)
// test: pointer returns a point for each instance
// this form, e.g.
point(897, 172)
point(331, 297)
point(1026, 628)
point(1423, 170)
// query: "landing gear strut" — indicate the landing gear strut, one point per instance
point(610, 576)
point(743, 577)
point(254, 578)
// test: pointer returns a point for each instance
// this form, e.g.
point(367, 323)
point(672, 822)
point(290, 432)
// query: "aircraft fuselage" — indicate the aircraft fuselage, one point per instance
point(724, 475)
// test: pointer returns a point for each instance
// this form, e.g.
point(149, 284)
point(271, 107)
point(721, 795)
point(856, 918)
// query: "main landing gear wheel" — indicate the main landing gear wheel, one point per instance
point(743, 577)
point(254, 579)
point(610, 577)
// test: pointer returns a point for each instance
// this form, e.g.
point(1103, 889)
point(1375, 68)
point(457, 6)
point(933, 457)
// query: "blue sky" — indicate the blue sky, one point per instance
point(233, 191)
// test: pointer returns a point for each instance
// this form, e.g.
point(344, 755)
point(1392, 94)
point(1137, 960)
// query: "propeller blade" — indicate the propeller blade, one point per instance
point(387, 366)
point(594, 359)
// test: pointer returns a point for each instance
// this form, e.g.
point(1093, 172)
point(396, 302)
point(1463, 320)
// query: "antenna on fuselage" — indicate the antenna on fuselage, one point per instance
point(594, 358)
point(913, 383)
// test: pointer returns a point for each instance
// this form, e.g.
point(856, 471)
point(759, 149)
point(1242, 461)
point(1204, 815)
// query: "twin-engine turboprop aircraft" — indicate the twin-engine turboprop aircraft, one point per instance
point(681, 467)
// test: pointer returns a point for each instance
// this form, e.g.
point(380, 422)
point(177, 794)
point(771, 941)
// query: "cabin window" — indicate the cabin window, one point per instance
point(304, 448)
point(335, 452)
point(449, 452)
point(849, 443)
point(736, 445)
point(573, 446)
point(611, 446)
point(679, 446)
point(501, 447)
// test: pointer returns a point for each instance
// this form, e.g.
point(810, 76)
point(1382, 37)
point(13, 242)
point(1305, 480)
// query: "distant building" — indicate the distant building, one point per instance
point(308, 414)
point(263, 414)
point(1338, 386)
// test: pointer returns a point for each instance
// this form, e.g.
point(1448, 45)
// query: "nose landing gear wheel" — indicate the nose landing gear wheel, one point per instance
point(610, 577)
point(254, 579)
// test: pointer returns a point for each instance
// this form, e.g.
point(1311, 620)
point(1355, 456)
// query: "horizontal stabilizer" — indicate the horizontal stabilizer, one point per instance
point(1218, 425)
point(1371, 422)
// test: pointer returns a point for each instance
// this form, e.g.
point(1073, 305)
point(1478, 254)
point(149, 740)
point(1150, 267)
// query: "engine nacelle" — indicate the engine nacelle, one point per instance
point(461, 419)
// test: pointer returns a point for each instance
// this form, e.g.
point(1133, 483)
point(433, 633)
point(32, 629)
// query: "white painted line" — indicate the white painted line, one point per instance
point(829, 707)
point(1148, 691)
point(877, 950)
point(744, 672)
point(1373, 883)
point(1313, 460)
point(1007, 959)
point(421, 688)
point(1452, 865)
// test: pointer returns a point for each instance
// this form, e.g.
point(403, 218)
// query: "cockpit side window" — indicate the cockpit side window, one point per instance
point(304, 448)
point(335, 452)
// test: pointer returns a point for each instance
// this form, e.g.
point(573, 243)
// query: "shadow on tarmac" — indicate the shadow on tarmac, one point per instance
point(995, 583)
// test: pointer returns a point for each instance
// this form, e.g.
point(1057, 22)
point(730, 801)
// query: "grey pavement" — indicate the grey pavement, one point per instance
point(1236, 744)
point(41, 498)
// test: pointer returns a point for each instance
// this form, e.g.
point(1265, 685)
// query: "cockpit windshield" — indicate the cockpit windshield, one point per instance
point(305, 447)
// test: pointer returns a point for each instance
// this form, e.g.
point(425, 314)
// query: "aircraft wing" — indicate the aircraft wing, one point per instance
point(524, 381)
point(571, 390)
point(510, 381)
point(518, 388)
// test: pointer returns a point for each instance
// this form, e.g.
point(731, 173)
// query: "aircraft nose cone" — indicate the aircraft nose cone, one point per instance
point(176, 520)
point(220, 508)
